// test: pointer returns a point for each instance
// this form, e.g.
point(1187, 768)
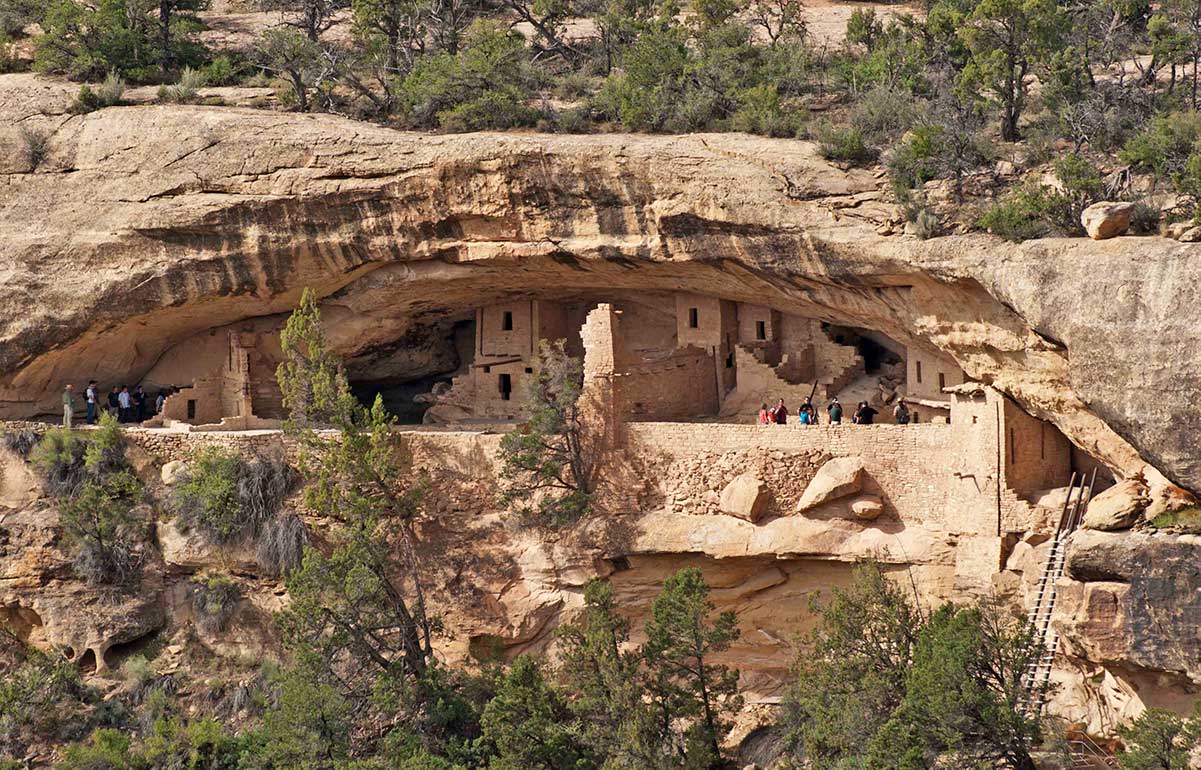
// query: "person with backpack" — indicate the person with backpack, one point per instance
point(901, 413)
point(864, 415)
point(835, 412)
point(808, 413)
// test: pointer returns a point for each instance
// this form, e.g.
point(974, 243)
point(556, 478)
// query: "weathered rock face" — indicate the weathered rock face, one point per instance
point(147, 227)
point(1132, 600)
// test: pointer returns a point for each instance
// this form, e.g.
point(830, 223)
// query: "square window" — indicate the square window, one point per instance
point(694, 318)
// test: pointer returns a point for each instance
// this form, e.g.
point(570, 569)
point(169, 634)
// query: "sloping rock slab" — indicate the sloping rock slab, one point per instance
point(839, 477)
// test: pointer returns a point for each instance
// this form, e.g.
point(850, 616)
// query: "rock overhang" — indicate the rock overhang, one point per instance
point(148, 225)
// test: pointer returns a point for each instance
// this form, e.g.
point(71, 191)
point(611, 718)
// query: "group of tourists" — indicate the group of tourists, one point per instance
point(124, 404)
point(864, 413)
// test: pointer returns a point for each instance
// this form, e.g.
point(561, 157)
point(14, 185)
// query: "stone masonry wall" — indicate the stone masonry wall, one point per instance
point(910, 466)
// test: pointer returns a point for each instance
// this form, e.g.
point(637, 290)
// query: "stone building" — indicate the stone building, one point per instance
point(235, 394)
point(678, 357)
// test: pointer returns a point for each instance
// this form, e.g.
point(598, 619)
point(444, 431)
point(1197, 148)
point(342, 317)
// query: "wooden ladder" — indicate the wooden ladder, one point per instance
point(1038, 672)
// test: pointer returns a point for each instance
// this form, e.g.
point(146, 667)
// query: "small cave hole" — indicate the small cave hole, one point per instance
point(145, 645)
point(620, 563)
point(87, 662)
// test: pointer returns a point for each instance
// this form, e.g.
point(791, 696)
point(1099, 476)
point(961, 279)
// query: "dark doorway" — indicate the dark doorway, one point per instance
point(506, 386)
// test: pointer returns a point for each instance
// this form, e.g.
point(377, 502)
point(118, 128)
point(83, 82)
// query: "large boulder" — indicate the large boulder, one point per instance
point(746, 497)
point(867, 507)
point(1118, 507)
point(838, 478)
point(1105, 220)
point(172, 472)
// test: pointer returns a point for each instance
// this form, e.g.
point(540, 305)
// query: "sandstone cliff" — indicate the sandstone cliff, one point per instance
point(145, 226)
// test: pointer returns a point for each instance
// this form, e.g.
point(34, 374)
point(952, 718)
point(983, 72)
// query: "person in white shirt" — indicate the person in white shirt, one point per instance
point(124, 404)
point(89, 396)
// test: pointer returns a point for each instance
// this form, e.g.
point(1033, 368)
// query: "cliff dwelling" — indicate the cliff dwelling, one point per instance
point(680, 356)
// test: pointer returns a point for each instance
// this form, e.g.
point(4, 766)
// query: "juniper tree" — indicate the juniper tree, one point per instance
point(607, 684)
point(685, 686)
point(529, 725)
point(548, 461)
point(1158, 740)
point(358, 610)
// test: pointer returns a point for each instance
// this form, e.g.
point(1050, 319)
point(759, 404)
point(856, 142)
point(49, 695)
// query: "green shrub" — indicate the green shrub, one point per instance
point(573, 121)
point(925, 224)
point(106, 749)
point(1164, 146)
point(223, 71)
point(35, 145)
point(42, 699)
point(1188, 183)
point(845, 144)
point(223, 496)
point(101, 527)
point(760, 112)
point(107, 94)
point(883, 114)
point(484, 86)
point(574, 86)
point(1081, 186)
point(214, 599)
point(939, 148)
point(59, 455)
point(1144, 220)
point(186, 89)
point(1031, 211)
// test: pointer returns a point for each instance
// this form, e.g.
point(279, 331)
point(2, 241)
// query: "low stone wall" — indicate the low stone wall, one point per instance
point(910, 466)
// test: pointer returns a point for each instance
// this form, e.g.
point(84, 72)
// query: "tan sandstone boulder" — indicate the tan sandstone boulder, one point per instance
point(171, 471)
point(839, 477)
point(1106, 219)
point(746, 497)
point(867, 507)
point(1118, 507)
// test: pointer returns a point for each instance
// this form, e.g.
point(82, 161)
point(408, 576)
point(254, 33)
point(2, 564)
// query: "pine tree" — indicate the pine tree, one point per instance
point(607, 684)
point(548, 463)
point(684, 682)
point(529, 724)
point(359, 609)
